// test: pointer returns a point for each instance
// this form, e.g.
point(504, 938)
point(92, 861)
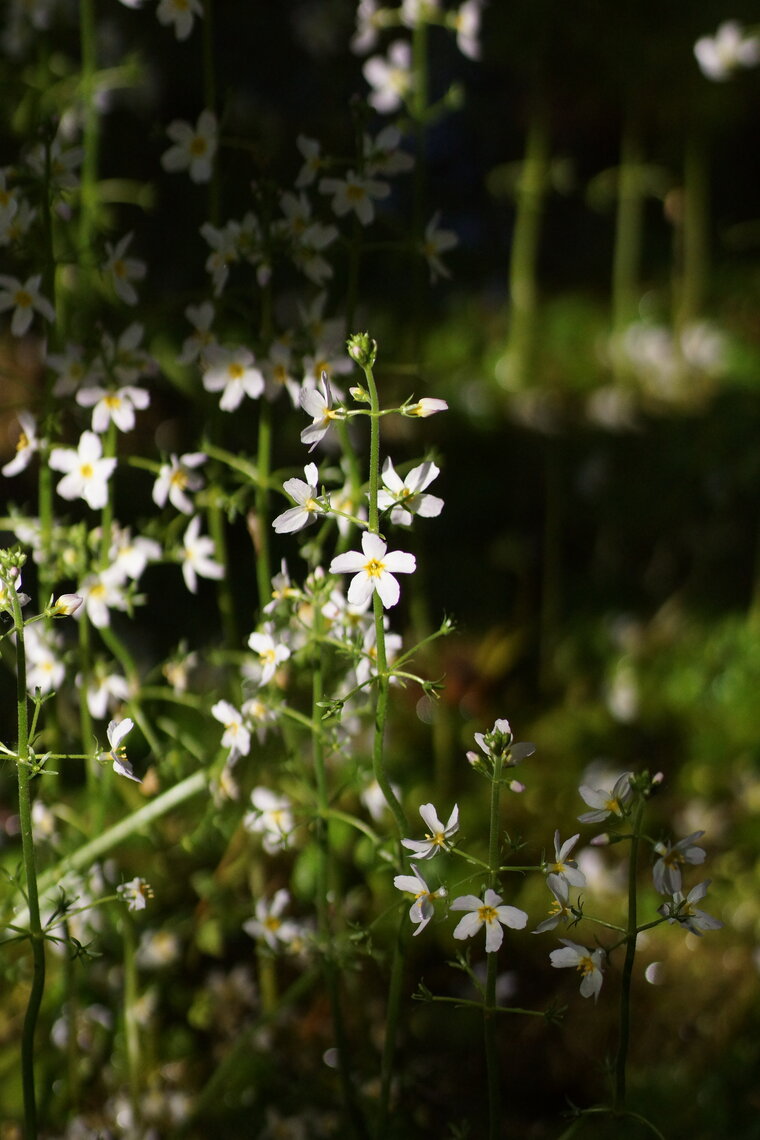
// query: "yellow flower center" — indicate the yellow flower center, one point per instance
point(86, 470)
point(375, 568)
point(235, 371)
point(198, 146)
point(23, 299)
point(487, 914)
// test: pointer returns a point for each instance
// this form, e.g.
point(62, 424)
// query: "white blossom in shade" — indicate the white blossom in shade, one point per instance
point(129, 556)
point(102, 593)
point(271, 654)
point(259, 716)
point(373, 798)
point(390, 77)
point(157, 948)
point(104, 691)
point(25, 299)
point(730, 49)
point(120, 271)
point(267, 923)
point(466, 23)
point(559, 911)
point(180, 13)
point(26, 446)
point(368, 21)
point(85, 472)
point(194, 147)
point(231, 371)
point(383, 154)
point(587, 962)
point(317, 403)
point(438, 835)
point(236, 736)
point(423, 907)
point(373, 569)
point(63, 162)
point(306, 496)
point(197, 556)
point(367, 666)
point(71, 371)
point(307, 252)
point(427, 406)
point(406, 497)
point(194, 347)
point(271, 818)
point(177, 477)
point(355, 193)
point(435, 242)
point(278, 373)
point(489, 912)
point(225, 251)
point(563, 868)
point(14, 229)
point(606, 803)
point(116, 732)
point(313, 163)
point(123, 359)
point(135, 893)
point(683, 909)
point(115, 406)
point(8, 199)
point(667, 870)
point(416, 12)
point(44, 659)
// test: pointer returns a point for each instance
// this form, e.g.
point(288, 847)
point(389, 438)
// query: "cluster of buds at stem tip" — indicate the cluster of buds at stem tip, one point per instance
point(499, 751)
point(362, 349)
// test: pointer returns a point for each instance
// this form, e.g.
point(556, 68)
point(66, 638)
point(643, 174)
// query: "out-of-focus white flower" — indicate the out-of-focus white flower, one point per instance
point(25, 299)
point(355, 193)
point(271, 653)
point(194, 147)
point(267, 923)
point(120, 271)
point(201, 338)
point(390, 77)
point(135, 893)
point(667, 870)
point(373, 569)
point(730, 49)
point(382, 154)
point(438, 834)
point(406, 497)
point(423, 908)
point(175, 478)
point(104, 690)
point(236, 736)
point(180, 13)
point(489, 912)
point(587, 962)
point(231, 371)
point(27, 445)
point(129, 556)
point(368, 20)
point(115, 406)
point(44, 658)
point(416, 12)
point(436, 242)
point(102, 593)
point(86, 473)
point(272, 818)
point(466, 23)
point(197, 556)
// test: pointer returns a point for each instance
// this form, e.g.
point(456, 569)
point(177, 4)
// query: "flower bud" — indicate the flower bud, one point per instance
point(362, 349)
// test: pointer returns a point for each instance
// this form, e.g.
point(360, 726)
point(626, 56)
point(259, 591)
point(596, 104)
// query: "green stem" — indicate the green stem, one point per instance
point(261, 533)
point(628, 229)
point(693, 275)
point(225, 599)
point(489, 1000)
point(131, 1024)
point(630, 955)
point(90, 136)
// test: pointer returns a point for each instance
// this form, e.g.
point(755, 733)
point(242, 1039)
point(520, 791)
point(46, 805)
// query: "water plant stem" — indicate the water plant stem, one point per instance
point(630, 955)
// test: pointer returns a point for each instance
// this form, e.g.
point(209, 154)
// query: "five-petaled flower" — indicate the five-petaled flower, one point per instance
point(587, 962)
point(407, 497)
point(489, 912)
point(116, 732)
point(24, 298)
point(175, 478)
point(373, 570)
point(194, 147)
point(606, 803)
point(231, 371)
point(306, 496)
point(563, 868)
point(86, 473)
point(438, 834)
point(422, 909)
point(667, 870)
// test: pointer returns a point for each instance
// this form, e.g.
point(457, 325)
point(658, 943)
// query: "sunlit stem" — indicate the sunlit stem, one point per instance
point(24, 777)
point(630, 955)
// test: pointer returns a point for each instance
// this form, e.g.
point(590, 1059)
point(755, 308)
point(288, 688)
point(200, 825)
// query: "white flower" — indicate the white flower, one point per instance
point(26, 446)
point(490, 912)
point(86, 473)
point(406, 497)
point(373, 570)
point(194, 147)
point(355, 193)
point(367, 666)
point(719, 56)
point(365, 36)
point(563, 868)
point(416, 12)
point(45, 669)
point(181, 13)
point(427, 406)
point(231, 372)
point(318, 404)
point(606, 803)
point(436, 242)
point(121, 271)
point(135, 893)
point(559, 910)
point(102, 593)
point(117, 407)
point(201, 317)
point(197, 556)
point(313, 162)
point(129, 556)
point(438, 834)
point(267, 924)
point(422, 909)
point(104, 690)
point(467, 26)
point(306, 496)
point(236, 736)
point(667, 870)
point(588, 962)
point(71, 370)
point(684, 911)
point(271, 654)
point(382, 154)
point(176, 477)
point(24, 298)
point(271, 818)
point(116, 732)
point(390, 78)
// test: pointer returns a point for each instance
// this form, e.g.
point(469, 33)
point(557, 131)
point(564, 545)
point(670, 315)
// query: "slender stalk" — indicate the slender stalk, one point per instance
point(628, 229)
point(261, 534)
point(693, 276)
point(24, 777)
point(90, 135)
point(630, 955)
point(489, 1000)
point(131, 1025)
